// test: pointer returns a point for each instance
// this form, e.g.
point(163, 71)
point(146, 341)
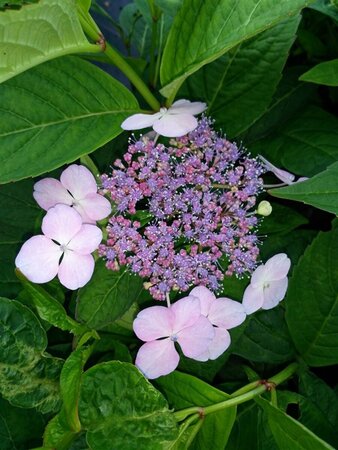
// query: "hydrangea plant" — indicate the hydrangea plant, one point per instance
point(169, 243)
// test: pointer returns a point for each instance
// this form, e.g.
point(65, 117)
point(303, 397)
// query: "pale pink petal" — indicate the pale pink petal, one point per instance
point(139, 121)
point(84, 216)
point(79, 181)
point(187, 107)
point(205, 296)
point(61, 223)
point(175, 125)
point(86, 240)
point(95, 206)
point(75, 270)
point(258, 277)
point(226, 313)
point(274, 293)
point(185, 312)
point(195, 340)
point(218, 345)
point(253, 299)
point(283, 175)
point(157, 358)
point(277, 267)
point(154, 323)
point(38, 259)
point(49, 192)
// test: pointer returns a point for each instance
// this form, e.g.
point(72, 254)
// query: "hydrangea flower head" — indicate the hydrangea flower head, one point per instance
point(175, 121)
point(64, 249)
point(198, 197)
point(77, 188)
point(161, 327)
point(268, 285)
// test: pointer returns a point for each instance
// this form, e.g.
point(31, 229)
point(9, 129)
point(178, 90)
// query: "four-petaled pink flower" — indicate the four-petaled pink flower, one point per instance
point(224, 314)
point(66, 237)
point(175, 121)
point(161, 327)
point(77, 187)
point(268, 284)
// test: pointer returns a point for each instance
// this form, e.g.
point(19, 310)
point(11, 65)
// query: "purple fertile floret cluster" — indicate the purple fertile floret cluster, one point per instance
point(200, 193)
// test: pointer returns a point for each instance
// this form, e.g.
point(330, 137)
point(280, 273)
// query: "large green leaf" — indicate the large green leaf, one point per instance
point(238, 87)
point(20, 217)
point(319, 407)
point(18, 433)
point(324, 73)
point(57, 112)
point(305, 145)
point(183, 391)
point(203, 30)
point(38, 33)
point(121, 409)
point(319, 191)
point(14, 4)
point(251, 430)
point(290, 434)
point(107, 296)
point(312, 301)
point(64, 427)
point(28, 377)
point(326, 7)
point(282, 220)
point(266, 338)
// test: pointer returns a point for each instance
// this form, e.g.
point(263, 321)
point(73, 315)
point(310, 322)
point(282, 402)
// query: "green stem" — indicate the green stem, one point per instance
point(139, 84)
point(94, 33)
point(261, 386)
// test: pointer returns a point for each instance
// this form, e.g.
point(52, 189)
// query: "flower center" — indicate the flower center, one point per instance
point(266, 285)
point(173, 338)
point(63, 248)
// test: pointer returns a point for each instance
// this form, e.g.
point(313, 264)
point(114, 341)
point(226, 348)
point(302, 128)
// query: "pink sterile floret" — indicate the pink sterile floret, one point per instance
point(160, 327)
point(224, 314)
point(171, 122)
point(64, 236)
point(268, 284)
point(77, 187)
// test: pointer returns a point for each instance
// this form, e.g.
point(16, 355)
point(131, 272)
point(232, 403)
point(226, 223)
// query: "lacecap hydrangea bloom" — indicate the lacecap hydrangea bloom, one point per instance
point(197, 198)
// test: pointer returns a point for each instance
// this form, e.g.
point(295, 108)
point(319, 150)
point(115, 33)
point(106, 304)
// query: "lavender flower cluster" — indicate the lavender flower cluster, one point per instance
point(200, 193)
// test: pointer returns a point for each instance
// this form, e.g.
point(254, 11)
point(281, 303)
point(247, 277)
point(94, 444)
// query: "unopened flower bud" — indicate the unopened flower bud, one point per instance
point(264, 208)
point(147, 285)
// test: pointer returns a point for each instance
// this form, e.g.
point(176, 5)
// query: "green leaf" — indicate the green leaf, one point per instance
point(312, 301)
point(290, 434)
point(305, 145)
point(18, 433)
point(289, 101)
point(23, 36)
point(326, 7)
point(28, 376)
point(238, 87)
point(121, 409)
point(251, 430)
point(204, 30)
point(50, 309)
point(107, 296)
point(319, 191)
point(266, 338)
point(324, 73)
point(184, 390)
point(282, 220)
point(319, 407)
point(64, 427)
point(53, 106)
point(20, 217)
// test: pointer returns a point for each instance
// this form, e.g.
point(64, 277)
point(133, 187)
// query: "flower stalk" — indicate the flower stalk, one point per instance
point(114, 56)
point(261, 387)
